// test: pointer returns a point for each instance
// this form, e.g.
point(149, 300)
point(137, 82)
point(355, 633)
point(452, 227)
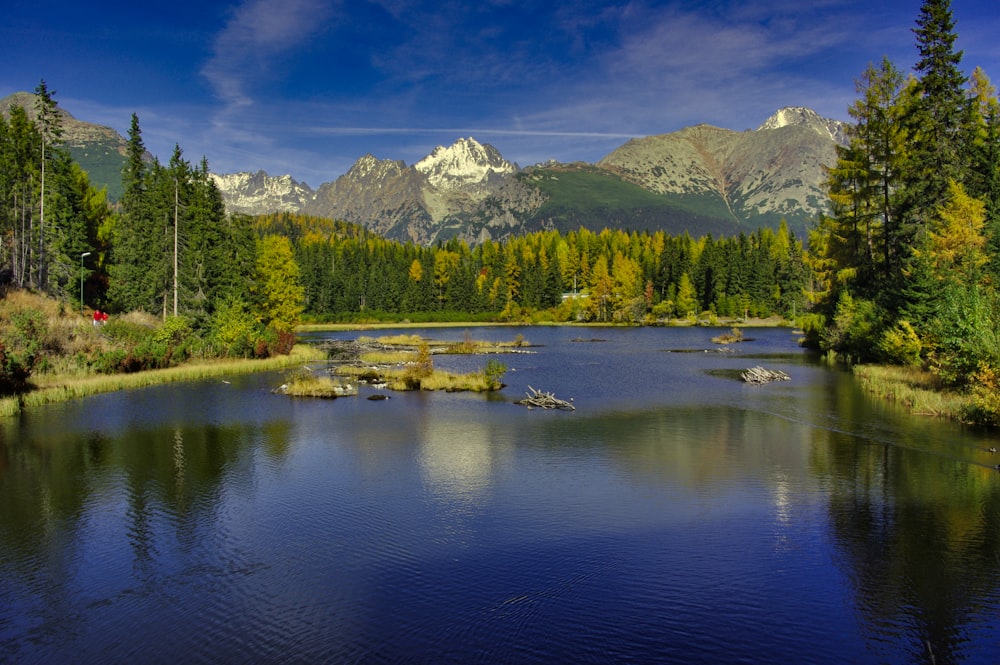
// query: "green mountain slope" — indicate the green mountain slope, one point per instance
point(584, 195)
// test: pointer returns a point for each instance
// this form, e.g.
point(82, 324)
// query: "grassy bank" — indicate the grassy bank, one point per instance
point(58, 388)
point(916, 389)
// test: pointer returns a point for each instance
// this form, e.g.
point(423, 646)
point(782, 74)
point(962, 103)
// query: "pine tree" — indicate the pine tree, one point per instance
point(138, 271)
point(936, 114)
point(983, 140)
point(50, 130)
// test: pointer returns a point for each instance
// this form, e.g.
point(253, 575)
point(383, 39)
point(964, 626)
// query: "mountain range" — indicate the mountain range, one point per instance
point(700, 179)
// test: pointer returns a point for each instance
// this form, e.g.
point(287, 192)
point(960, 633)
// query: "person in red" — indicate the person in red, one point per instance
point(97, 317)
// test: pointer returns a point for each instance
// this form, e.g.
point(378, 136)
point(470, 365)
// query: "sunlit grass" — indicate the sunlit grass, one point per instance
point(440, 380)
point(50, 388)
point(402, 378)
point(472, 346)
point(313, 384)
point(916, 389)
point(392, 340)
point(387, 357)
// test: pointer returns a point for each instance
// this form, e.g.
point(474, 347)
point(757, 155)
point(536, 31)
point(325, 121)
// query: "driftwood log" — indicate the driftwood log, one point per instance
point(544, 400)
point(758, 375)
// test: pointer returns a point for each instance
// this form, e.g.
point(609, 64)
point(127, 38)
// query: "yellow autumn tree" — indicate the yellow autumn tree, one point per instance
point(280, 292)
point(956, 245)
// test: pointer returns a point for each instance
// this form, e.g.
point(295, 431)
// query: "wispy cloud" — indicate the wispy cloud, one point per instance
point(455, 131)
point(258, 33)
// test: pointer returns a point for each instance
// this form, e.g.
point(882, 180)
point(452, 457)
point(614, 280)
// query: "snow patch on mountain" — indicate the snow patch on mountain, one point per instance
point(259, 193)
point(466, 162)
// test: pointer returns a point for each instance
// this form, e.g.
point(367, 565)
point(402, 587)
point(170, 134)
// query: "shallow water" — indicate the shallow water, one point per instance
point(678, 515)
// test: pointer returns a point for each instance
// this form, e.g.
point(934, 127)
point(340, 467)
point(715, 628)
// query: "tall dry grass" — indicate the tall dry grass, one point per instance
point(52, 388)
point(917, 389)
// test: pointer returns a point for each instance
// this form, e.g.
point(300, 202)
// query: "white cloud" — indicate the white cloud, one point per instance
point(258, 33)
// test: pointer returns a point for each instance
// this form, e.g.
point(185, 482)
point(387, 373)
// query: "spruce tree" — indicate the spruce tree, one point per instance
point(935, 117)
point(50, 129)
point(138, 269)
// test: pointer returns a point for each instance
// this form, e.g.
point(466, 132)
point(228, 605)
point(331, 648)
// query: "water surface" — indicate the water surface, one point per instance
point(678, 515)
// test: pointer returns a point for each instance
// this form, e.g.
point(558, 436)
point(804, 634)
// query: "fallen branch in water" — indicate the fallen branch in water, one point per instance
point(758, 375)
point(544, 401)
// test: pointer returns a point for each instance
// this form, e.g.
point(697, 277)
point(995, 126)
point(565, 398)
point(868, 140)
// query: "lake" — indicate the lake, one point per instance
point(678, 515)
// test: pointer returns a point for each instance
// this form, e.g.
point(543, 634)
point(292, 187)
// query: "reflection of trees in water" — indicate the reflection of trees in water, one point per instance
point(919, 536)
point(917, 530)
point(48, 486)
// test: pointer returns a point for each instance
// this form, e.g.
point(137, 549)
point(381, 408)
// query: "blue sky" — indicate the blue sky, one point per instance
point(306, 87)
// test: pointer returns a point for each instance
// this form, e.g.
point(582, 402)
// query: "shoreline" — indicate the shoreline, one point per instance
point(771, 322)
point(53, 389)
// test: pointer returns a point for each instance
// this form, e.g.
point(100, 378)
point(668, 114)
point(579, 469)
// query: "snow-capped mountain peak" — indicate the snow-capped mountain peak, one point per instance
point(800, 116)
point(465, 162)
point(254, 193)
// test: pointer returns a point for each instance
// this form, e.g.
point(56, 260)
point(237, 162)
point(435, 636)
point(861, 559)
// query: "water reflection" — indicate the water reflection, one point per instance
point(458, 459)
point(682, 516)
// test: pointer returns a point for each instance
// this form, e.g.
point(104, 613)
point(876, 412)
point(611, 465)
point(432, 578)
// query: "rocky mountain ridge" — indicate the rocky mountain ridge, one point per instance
point(774, 170)
point(99, 150)
point(250, 193)
point(699, 179)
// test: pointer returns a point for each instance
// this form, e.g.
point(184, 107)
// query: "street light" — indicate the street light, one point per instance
point(81, 279)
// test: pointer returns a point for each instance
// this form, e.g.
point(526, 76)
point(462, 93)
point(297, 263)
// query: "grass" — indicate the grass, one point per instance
point(58, 388)
point(392, 340)
point(311, 384)
point(732, 337)
point(916, 389)
point(413, 369)
point(402, 379)
point(386, 357)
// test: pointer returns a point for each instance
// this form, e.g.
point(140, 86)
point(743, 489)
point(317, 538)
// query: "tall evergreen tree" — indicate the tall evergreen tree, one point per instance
point(139, 264)
point(936, 115)
point(983, 139)
point(50, 130)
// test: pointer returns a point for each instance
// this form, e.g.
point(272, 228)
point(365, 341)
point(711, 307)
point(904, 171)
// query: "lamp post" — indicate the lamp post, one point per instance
point(81, 279)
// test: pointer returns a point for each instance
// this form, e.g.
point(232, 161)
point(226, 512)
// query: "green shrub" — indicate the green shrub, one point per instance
point(236, 332)
point(984, 405)
point(900, 345)
point(964, 334)
point(493, 374)
point(855, 330)
point(21, 346)
point(175, 331)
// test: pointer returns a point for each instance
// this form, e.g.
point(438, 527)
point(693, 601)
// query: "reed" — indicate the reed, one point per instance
point(51, 388)
point(393, 340)
point(916, 389)
point(311, 384)
point(401, 379)
point(387, 357)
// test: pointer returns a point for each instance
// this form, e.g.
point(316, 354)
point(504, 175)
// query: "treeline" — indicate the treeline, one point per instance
point(49, 213)
point(168, 248)
point(909, 261)
point(173, 250)
point(611, 276)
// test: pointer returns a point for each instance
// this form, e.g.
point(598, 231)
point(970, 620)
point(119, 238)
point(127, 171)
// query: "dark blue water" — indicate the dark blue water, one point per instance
point(678, 515)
